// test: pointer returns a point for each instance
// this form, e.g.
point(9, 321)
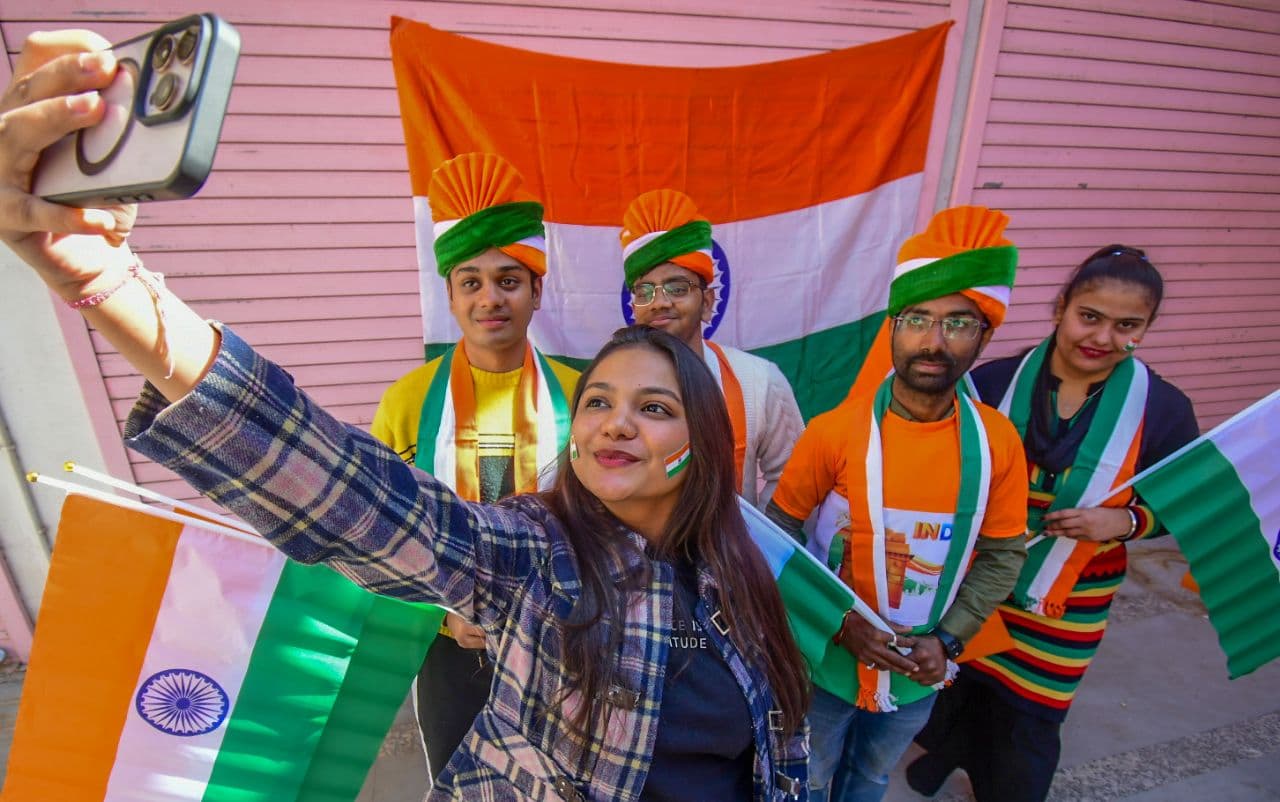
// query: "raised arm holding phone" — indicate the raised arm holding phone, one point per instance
point(82, 254)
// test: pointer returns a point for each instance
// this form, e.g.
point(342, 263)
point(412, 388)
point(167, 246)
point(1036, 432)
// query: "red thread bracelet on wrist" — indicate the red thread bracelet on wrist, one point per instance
point(90, 301)
point(154, 284)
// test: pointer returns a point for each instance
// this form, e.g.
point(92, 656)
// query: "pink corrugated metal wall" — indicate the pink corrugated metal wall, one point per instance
point(1155, 123)
point(1147, 121)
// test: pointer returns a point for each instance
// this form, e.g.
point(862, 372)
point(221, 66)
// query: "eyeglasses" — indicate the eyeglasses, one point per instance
point(674, 288)
point(953, 328)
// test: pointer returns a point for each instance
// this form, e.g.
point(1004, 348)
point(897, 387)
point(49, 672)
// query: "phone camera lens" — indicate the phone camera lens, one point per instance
point(187, 45)
point(163, 53)
point(166, 92)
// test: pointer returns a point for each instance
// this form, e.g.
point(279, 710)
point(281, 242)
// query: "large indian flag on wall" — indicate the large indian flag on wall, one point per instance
point(173, 661)
point(810, 171)
point(1219, 496)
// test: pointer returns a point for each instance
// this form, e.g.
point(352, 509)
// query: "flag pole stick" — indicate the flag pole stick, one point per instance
point(138, 506)
point(151, 495)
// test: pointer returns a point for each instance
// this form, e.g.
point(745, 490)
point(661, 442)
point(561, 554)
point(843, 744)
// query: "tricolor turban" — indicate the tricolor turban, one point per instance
point(664, 226)
point(962, 250)
point(474, 208)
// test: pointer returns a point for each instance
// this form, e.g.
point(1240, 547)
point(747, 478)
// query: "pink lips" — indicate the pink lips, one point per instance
point(615, 459)
point(1092, 353)
point(930, 367)
point(493, 322)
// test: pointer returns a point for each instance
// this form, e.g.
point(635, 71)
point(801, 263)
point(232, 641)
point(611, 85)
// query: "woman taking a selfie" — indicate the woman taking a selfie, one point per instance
point(590, 591)
point(1091, 415)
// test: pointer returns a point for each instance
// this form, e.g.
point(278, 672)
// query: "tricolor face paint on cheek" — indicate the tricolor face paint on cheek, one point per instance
point(678, 460)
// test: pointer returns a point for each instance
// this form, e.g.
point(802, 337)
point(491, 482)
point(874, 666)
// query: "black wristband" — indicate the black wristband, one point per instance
point(950, 643)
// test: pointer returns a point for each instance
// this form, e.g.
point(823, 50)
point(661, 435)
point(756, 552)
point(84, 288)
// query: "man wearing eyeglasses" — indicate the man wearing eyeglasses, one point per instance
point(920, 495)
point(485, 416)
point(666, 248)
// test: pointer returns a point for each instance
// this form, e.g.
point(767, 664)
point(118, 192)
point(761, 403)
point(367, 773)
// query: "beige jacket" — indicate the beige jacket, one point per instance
point(773, 420)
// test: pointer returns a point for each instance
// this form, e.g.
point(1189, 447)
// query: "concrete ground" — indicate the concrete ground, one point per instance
point(1156, 719)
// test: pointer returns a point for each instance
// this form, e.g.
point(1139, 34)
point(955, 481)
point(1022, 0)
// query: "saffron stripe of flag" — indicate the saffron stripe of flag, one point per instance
point(1220, 498)
point(809, 169)
point(175, 663)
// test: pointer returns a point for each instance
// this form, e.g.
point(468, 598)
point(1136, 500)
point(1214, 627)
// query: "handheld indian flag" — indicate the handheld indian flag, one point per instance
point(181, 660)
point(810, 171)
point(816, 601)
point(1219, 496)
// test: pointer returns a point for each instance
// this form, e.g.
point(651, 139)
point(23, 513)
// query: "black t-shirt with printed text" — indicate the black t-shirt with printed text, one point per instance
point(704, 748)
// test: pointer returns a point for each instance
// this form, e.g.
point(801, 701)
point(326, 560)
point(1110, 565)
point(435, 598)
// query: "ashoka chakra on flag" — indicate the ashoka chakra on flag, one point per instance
point(182, 702)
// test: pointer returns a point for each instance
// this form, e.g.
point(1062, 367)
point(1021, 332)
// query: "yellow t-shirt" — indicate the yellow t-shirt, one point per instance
point(395, 422)
point(495, 432)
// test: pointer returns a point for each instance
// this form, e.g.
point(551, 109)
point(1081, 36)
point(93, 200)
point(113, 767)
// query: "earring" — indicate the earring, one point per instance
point(573, 448)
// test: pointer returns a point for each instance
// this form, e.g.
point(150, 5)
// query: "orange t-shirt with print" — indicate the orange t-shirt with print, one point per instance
point(921, 463)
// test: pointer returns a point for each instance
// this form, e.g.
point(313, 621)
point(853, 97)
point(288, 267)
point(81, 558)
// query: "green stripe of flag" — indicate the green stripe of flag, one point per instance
point(1200, 498)
point(815, 607)
point(392, 646)
point(295, 677)
point(822, 366)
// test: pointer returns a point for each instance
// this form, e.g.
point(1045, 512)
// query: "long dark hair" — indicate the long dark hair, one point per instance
point(706, 528)
point(1116, 263)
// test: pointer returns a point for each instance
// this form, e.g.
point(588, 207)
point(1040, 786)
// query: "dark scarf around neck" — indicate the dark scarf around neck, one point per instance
point(1046, 444)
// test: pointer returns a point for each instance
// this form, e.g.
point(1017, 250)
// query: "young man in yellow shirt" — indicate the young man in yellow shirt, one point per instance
point(488, 416)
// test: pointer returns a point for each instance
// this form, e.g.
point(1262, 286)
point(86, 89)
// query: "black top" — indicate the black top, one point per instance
point(704, 745)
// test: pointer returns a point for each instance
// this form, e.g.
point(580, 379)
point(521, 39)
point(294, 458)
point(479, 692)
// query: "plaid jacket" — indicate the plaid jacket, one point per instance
point(323, 491)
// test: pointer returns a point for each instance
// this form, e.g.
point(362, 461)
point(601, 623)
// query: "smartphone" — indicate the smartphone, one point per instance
point(164, 115)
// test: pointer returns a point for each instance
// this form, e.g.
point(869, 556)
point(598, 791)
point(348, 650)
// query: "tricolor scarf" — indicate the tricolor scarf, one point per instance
point(1106, 459)
point(448, 443)
point(860, 522)
point(731, 388)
